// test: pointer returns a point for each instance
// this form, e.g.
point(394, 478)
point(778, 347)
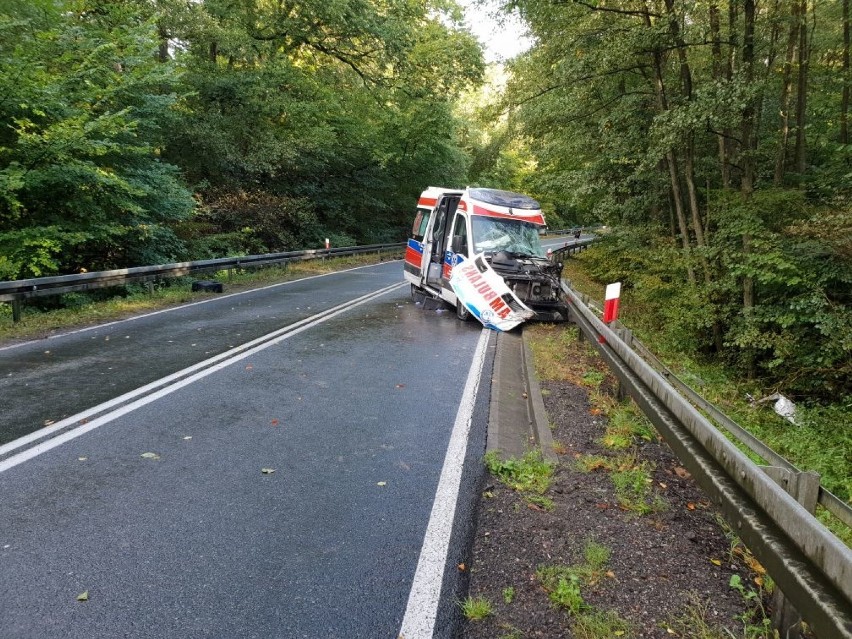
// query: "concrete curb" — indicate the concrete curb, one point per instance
point(517, 420)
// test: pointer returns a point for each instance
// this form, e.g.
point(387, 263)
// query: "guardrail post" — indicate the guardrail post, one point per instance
point(16, 311)
point(626, 336)
point(804, 487)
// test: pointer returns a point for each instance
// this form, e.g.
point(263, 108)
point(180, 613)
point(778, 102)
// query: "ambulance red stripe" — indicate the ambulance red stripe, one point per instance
point(535, 217)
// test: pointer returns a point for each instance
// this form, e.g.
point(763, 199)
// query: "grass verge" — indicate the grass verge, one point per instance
point(830, 425)
point(75, 310)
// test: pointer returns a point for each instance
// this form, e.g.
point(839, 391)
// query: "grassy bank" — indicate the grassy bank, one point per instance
point(821, 439)
point(75, 310)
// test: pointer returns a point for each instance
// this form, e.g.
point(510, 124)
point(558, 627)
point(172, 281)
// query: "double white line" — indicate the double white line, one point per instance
point(90, 419)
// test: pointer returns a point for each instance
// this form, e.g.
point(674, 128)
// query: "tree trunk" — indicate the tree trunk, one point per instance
point(844, 102)
point(671, 161)
point(748, 134)
point(163, 48)
point(747, 184)
point(802, 97)
point(716, 52)
point(786, 89)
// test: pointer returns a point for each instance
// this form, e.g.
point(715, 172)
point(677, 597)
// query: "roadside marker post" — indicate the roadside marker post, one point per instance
point(613, 291)
point(610, 313)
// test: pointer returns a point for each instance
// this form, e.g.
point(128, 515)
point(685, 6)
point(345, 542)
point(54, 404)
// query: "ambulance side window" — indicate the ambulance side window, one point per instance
point(420, 223)
point(460, 235)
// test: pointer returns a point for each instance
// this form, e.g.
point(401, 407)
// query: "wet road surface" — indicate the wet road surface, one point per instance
point(164, 514)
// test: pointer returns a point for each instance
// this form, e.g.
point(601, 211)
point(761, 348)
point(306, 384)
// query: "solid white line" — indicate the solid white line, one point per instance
point(43, 447)
point(422, 608)
point(175, 308)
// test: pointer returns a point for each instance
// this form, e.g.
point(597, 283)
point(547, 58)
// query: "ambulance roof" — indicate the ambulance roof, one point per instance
point(505, 198)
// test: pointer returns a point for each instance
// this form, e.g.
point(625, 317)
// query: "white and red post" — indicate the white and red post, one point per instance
point(613, 291)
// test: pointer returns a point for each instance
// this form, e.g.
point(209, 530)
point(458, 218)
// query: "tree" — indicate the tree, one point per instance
point(81, 181)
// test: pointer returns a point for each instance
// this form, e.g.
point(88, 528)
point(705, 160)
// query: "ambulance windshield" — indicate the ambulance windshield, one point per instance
point(491, 235)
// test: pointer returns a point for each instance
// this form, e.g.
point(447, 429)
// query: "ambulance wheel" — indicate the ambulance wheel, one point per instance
point(462, 313)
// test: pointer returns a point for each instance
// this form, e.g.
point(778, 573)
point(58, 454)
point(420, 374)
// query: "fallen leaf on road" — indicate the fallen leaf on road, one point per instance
point(716, 562)
point(690, 506)
point(267, 471)
point(83, 596)
point(663, 485)
point(149, 456)
point(462, 567)
point(610, 574)
point(683, 473)
point(274, 422)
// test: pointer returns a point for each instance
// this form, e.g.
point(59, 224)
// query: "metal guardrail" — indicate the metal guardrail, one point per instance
point(811, 566)
point(17, 290)
point(573, 246)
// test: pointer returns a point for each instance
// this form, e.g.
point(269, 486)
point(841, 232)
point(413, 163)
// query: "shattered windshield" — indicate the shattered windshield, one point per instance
point(491, 235)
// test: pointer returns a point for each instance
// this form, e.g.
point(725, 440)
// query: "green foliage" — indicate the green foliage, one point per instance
point(81, 183)
point(530, 473)
point(508, 594)
point(324, 122)
point(476, 608)
point(563, 585)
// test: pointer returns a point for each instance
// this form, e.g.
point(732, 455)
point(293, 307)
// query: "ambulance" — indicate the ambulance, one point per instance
point(479, 251)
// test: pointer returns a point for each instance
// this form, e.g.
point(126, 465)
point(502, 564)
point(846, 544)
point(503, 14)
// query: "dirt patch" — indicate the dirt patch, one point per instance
point(668, 570)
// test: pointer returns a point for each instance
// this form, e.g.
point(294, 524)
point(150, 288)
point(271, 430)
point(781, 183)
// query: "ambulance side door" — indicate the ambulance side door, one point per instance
point(457, 249)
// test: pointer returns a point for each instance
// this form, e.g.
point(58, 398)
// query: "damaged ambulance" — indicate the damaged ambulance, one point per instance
point(479, 250)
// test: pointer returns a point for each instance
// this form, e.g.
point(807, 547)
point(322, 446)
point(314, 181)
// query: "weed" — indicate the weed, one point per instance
point(593, 378)
point(634, 490)
point(513, 633)
point(545, 503)
point(508, 594)
point(476, 608)
point(530, 473)
point(591, 463)
point(626, 425)
point(559, 448)
point(756, 623)
point(567, 595)
point(597, 555)
point(600, 624)
point(693, 622)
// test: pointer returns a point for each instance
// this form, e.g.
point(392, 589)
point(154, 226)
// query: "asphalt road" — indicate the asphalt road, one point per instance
point(161, 510)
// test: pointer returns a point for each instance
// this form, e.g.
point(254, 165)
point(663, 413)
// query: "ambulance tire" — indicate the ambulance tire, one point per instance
point(462, 313)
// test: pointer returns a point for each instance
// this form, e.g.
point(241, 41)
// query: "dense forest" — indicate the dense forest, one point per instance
point(711, 135)
point(141, 131)
point(715, 137)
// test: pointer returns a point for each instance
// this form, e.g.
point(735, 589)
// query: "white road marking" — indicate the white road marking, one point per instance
point(422, 608)
point(175, 308)
point(169, 385)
